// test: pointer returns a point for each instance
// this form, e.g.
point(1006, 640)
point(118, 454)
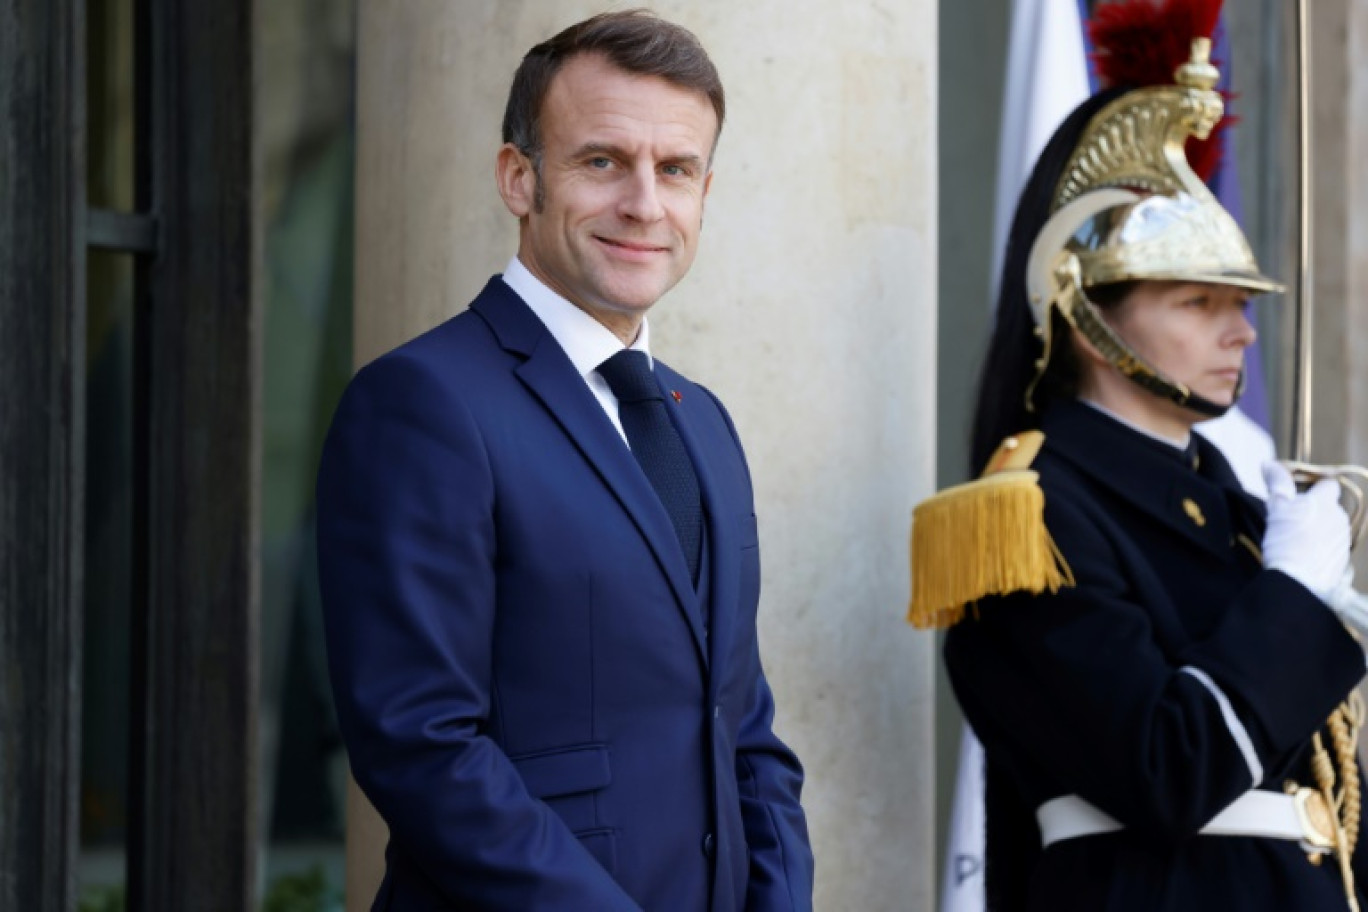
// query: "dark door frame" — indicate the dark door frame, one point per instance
point(42, 448)
point(193, 832)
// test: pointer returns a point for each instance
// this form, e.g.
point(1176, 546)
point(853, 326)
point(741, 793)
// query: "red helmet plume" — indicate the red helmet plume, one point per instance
point(1141, 42)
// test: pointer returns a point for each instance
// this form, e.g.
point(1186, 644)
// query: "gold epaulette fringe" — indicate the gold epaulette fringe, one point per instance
point(984, 537)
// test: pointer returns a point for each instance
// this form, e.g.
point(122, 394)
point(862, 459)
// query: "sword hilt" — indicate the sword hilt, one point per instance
point(1353, 482)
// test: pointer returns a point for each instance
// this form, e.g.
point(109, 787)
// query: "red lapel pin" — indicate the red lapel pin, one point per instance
point(677, 396)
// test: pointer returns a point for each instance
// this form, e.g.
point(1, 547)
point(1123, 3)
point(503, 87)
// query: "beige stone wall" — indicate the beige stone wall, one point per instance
point(1356, 237)
point(1355, 300)
point(1332, 176)
point(1339, 86)
point(811, 311)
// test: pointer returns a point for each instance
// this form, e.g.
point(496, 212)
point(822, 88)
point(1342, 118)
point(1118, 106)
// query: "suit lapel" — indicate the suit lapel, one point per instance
point(549, 376)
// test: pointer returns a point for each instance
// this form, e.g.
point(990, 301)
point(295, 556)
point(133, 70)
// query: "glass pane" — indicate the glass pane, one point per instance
point(305, 113)
point(109, 103)
point(108, 580)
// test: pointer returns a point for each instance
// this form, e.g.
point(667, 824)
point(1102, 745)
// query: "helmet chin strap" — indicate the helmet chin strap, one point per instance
point(1208, 409)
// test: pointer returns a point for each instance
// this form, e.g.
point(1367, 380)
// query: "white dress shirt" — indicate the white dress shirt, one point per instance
point(586, 341)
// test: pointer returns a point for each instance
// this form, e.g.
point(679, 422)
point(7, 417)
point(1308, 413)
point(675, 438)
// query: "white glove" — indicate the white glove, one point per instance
point(1307, 536)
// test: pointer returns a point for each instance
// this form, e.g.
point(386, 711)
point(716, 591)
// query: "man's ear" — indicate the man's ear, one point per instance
point(517, 180)
point(707, 185)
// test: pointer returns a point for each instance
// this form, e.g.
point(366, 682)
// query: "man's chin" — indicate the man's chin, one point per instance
point(633, 298)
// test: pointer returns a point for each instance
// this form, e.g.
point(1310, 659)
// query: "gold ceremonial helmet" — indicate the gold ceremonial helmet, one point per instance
point(1129, 207)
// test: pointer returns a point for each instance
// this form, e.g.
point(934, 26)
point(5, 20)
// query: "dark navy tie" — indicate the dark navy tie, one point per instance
point(657, 447)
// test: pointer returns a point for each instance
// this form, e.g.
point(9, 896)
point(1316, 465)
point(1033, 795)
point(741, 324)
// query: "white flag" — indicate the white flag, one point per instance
point(963, 885)
point(1047, 77)
point(1244, 444)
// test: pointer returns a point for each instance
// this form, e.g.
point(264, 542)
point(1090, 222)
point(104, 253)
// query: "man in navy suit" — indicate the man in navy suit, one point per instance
point(540, 582)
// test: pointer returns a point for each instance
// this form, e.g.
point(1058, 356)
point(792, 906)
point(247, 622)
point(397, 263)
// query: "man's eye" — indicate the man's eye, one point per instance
point(674, 170)
point(600, 162)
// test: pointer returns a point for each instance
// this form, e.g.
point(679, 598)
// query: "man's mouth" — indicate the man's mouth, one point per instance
point(631, 247)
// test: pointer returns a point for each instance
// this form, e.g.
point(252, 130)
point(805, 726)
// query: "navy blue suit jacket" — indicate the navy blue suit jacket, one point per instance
point(532, 693)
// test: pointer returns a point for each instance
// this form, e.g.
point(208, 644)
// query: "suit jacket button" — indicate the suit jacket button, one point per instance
point(709, 845)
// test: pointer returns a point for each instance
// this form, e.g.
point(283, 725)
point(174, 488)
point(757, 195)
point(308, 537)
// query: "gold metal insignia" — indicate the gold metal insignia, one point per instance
point(1250, 545)
point(1193, 511)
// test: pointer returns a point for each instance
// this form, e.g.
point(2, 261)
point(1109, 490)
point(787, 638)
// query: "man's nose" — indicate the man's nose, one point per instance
point(641, 197)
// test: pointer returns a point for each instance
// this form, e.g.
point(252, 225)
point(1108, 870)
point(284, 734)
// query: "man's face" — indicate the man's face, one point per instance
point(624, 172)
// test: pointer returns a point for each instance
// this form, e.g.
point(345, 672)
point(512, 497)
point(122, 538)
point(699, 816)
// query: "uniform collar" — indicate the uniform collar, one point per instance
point(1179, 445)
point(1190, 491)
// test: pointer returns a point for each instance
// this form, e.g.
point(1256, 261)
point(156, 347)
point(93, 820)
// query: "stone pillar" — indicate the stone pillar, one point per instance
point(1339, 87)
point(1356, 240)
point(810, 311)
point(1331, 189)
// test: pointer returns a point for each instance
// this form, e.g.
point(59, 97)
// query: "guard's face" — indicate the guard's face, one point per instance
point(624, 175)
point(1193, 333)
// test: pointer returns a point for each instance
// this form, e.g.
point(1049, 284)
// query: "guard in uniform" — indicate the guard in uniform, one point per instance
point(1160, 668)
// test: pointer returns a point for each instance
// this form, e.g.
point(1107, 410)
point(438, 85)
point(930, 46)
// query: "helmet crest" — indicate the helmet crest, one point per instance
point(1141, 42)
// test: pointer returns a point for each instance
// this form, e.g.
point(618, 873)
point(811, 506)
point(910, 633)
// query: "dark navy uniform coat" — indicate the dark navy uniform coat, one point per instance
point(1083, 692)
point(546, 712)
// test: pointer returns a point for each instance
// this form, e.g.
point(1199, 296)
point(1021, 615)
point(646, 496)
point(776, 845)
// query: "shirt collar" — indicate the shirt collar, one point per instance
point(586, 341)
